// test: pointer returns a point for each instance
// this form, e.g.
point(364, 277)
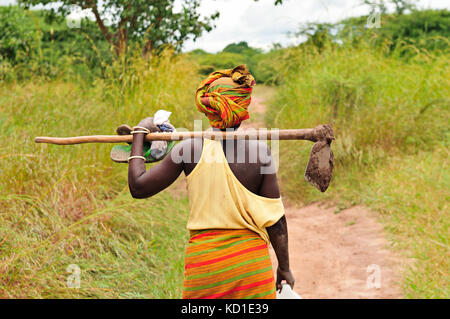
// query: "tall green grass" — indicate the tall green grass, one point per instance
point(70, 205)
point(391, 120)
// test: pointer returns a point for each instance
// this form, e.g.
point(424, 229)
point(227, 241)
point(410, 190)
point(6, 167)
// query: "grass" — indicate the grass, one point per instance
point(71, 205)
point(391, 153)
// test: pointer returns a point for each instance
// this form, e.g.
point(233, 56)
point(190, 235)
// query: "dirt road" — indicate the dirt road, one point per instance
point(335, 253)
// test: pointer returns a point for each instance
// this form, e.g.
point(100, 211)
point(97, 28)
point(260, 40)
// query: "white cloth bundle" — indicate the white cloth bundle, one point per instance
point(161, 120)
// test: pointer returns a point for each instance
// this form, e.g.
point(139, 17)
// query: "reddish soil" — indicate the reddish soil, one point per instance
point(331, 253)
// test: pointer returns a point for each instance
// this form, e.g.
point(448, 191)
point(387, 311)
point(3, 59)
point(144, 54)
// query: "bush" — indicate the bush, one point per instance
point(70, 204)
point(33, 43)
point(423, 30)
point(212, 62)
point(390, 118)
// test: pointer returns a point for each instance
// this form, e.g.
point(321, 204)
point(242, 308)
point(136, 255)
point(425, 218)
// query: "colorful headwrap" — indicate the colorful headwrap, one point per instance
point(229, 94)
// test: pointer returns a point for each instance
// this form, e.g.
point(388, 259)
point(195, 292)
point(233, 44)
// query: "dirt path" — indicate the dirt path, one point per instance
point(334, 253)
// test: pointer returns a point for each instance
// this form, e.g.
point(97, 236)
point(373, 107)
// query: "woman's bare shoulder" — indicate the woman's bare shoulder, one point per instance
point(190, 149)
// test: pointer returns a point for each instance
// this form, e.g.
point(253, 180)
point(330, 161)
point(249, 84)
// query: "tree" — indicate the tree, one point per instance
point(17, 36)
point(153, 23)
point(241, 48)
point(424, 29)
point(318, 35)
point(401, 6)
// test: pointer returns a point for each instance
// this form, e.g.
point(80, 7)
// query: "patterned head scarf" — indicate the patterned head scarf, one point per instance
point(229, 94)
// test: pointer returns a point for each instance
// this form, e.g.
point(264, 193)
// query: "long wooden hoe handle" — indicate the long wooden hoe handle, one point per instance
point(293, 134)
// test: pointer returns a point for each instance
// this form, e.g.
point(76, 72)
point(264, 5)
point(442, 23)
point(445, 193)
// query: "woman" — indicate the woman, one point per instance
point(235, 205)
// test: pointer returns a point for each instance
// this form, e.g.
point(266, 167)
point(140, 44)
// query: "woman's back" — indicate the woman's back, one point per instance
point(229, 204)
point(249, 160)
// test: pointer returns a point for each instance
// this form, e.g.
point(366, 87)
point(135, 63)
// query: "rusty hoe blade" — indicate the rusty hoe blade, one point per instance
point(319, 170)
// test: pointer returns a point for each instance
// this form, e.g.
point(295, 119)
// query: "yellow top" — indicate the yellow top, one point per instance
point(217, 200)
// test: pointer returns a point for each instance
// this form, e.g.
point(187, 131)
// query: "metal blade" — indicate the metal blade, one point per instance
point(319, 170)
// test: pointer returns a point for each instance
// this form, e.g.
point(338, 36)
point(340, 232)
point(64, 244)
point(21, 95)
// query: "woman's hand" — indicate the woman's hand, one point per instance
point(148, 124)
point(278, 235)
point(284, 275)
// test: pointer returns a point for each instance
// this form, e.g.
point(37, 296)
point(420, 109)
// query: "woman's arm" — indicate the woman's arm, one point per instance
point(278, 233)
point(144, 183)
point(279, 239)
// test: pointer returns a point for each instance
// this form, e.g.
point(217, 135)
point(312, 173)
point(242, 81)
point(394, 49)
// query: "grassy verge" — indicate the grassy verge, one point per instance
point(70, 205)
point(391, 121)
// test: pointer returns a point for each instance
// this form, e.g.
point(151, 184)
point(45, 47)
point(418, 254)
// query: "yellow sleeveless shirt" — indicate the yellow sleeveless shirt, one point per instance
point(218, 200)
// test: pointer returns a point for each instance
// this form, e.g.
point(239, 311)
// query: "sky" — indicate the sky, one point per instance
point(262, 23)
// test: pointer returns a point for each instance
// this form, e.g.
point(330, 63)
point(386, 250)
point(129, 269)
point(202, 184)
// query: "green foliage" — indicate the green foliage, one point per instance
point(31, 44)
point(429, 29)
point(402, 35)
point(318, 35)
point(384, 90)
point(153, 24)
point(18, 34)
point(426, 29)
point(71, 205)
point(263, 66)
point(390, 118)
point(269, 68)
point(242, 48)
point(222, 60)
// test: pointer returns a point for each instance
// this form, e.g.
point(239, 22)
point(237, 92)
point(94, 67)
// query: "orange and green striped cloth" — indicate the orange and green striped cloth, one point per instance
point(227, 264)
point(229, 95)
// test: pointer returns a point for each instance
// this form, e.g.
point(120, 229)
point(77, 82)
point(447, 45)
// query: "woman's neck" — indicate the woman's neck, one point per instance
point(230, 129)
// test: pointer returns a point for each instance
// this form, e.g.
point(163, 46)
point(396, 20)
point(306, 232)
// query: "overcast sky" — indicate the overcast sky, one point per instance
point(261, 23)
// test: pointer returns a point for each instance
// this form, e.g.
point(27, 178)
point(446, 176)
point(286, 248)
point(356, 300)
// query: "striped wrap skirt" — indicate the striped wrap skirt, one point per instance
point(228, 264)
